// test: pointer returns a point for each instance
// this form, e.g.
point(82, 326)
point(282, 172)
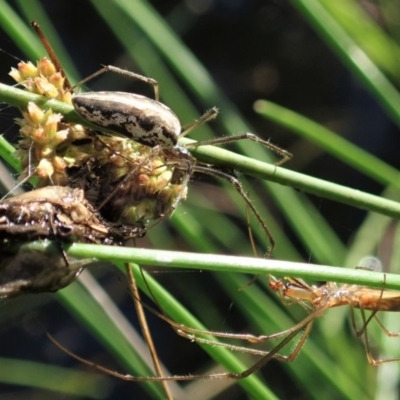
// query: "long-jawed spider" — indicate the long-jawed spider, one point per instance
point(176, 157)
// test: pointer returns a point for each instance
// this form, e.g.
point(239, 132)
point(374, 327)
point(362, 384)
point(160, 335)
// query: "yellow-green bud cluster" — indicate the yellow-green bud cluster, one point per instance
point(140, 179)
point(42, 79)
point(43, 131)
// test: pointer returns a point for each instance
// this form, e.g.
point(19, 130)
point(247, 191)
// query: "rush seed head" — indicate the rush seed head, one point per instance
point(43, 133)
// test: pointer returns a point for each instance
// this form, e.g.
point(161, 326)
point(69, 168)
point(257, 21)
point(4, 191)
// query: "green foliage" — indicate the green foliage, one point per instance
point(331, 365)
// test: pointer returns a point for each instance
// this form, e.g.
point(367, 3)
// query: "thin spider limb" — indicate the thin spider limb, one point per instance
point(385, 330)
point(239, 188)
point(286, 156)
point(145, 328)
point(51, 53)
point(223, 375)
point(289, 334)
point(363, 331)
point(206, 117)
point(191, 333)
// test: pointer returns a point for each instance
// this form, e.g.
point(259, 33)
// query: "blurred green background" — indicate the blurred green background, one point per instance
point(336, 63)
